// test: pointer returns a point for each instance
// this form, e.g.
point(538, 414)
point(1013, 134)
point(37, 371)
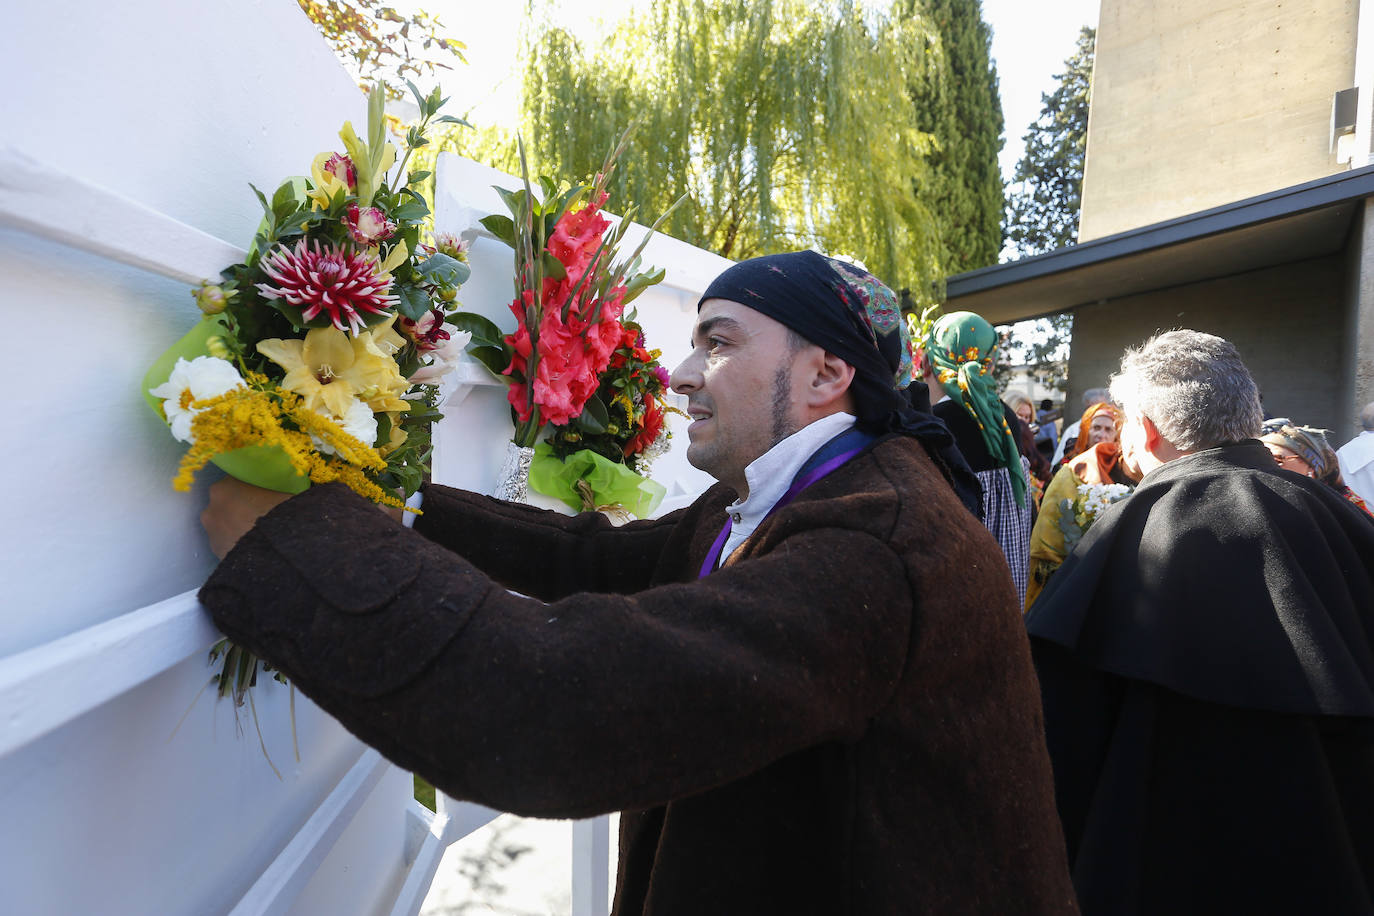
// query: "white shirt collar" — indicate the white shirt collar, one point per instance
point(770, 474)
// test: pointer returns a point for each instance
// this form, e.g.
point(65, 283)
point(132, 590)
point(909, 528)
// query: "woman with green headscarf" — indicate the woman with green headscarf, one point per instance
point(957, 365)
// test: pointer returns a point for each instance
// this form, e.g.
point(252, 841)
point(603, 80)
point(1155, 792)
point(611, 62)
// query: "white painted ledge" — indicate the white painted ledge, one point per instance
point(95, 665)
point(436, 833)
point(52, 204)
point(279, 886)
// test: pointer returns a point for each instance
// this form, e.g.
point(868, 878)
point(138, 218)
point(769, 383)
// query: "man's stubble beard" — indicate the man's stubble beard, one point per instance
point(782, 405)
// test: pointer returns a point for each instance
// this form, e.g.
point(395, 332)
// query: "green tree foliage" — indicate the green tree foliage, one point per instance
point(1043, 203)
point(376, 42)
point(788, 123)
point(1042, 207)
point(963, 112)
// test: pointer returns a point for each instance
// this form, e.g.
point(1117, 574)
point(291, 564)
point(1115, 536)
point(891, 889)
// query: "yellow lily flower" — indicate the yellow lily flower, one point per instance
point(385, 337)
point(372, 164)
point(398, 435)
point(329, 369)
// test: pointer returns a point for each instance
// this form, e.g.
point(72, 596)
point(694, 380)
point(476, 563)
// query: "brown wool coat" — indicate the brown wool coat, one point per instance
point(841, 720)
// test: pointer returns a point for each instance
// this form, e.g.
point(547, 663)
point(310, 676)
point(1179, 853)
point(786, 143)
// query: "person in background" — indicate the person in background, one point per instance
point(1206, 662)
point(1356, 457)
point(1101, 422)
point(1070, 437)
point(1099, 463)
point(1047, 439)
point(785, 687)
point(1039, 465)
point(957, 362)
point(1304, 450)
point(1022, 407)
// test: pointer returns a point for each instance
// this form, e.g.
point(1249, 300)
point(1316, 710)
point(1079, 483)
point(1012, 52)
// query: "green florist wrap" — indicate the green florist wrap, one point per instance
point(264, 466)
point(611, 484)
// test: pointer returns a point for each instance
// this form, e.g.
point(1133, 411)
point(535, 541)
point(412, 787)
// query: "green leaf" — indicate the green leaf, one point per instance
point(553, 268)
point(383, 428)
point(420, 175)
point(483, 330)
point(594, 416)
point(514, 200)
point(503, 227)
point(413, 302)
point(284, 201)
point(421, 102)
point(450, 119)
point(640, 282)
point(410, 211)
point(262, 199)
point(444, 270)
point(495, 359)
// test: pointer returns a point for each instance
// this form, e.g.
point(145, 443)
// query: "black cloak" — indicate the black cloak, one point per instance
point(1206, 662)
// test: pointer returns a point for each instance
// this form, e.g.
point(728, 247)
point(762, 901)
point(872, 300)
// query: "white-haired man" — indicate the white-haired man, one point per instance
point(1357, 457)
point(1206, 660)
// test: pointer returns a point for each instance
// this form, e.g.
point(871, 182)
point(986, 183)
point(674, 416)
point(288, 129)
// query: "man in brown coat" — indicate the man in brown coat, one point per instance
point(825, 707)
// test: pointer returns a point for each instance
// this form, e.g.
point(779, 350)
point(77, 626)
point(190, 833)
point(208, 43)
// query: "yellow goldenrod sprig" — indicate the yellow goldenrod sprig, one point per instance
point(254, 415)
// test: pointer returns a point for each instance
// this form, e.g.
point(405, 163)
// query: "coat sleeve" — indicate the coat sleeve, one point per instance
point(593, 703)
point(541, 553)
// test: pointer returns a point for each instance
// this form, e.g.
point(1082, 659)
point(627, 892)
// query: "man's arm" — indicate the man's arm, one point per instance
point(593, 703)
point(542, 553)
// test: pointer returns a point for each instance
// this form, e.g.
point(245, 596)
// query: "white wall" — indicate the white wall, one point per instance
point(130, 134)
point(140, 124)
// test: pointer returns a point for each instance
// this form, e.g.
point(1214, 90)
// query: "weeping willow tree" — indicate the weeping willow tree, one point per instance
point(788, 124)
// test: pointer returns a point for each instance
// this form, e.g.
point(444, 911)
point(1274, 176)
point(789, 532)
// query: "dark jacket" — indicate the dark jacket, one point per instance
point(841, 720)
point(1206, 657)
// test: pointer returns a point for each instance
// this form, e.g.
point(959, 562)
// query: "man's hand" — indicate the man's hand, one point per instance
point(234, 507)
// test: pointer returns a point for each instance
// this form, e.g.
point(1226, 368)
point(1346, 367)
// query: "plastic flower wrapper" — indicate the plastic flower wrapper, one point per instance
point(308, 366)
point(1077, 515)
point(586, 481)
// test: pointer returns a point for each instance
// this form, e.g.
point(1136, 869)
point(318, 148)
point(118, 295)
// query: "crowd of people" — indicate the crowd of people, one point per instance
point(817, 690)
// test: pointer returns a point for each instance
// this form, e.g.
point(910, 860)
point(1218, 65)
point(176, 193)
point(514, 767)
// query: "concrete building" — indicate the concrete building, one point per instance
point(1227, 189)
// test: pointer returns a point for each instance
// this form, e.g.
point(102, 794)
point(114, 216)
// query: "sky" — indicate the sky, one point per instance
point(1031, 40)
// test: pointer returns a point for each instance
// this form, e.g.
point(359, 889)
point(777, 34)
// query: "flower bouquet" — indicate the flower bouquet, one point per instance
point(609, 470)
point(570, 294)
point(1077, 515)
point(319, 355)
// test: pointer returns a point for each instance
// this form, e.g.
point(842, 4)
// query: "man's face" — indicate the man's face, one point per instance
point(738, 384)
point(1102, 429)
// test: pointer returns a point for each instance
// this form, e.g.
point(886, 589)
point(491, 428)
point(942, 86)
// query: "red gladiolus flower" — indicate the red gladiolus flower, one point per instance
point(575, 239)
point(327, 281)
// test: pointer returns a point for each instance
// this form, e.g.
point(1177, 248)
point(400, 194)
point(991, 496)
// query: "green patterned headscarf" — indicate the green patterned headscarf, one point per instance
point(961, 349)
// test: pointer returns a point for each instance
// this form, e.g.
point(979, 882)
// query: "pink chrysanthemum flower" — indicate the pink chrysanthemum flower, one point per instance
point(327, 280)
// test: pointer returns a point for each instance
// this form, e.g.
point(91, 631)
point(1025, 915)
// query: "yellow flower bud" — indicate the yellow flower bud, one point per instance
point(212, 299)
point(216, 347)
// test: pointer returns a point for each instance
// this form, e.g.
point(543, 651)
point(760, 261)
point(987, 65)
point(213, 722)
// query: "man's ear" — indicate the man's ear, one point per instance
point(1153, 438)
point(831, 380)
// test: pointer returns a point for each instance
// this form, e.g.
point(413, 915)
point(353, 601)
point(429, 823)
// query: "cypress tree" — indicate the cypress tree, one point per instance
point(962, 110)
